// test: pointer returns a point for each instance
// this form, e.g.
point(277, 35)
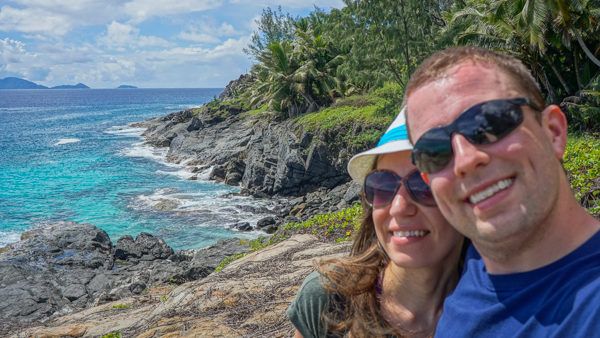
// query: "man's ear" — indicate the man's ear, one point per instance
point(554, 123)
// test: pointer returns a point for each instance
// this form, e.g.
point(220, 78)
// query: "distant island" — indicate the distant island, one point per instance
point(126, 87)
point(77, 86)
point(17, 83)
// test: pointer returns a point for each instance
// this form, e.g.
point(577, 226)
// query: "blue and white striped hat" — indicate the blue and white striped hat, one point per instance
point(394, 139)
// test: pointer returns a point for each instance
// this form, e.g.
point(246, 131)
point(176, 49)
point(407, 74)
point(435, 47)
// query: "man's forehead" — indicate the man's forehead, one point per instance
point(440, 101)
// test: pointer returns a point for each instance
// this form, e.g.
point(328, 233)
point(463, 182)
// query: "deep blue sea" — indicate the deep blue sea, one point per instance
point(70, 155)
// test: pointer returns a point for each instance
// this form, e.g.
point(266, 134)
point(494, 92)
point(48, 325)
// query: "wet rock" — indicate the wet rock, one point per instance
point(241, 226)
point(265, 222)
point(166, 205)
point(145, 247)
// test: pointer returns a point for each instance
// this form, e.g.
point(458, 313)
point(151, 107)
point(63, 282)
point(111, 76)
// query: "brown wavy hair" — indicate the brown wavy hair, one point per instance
point(352, 281)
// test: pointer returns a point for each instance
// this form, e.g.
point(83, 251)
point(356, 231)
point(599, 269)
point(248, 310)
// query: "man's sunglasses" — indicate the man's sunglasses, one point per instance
point(381, 186)
point(484, 123)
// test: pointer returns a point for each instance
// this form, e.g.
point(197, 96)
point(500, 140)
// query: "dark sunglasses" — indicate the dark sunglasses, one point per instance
point(381, 186)
point(484, 123)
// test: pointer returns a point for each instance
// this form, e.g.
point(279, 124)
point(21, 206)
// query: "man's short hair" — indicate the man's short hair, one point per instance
point(437, 65)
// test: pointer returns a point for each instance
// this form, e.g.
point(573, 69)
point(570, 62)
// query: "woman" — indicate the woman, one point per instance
point(404, 260)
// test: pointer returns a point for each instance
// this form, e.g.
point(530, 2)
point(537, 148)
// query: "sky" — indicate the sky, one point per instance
point(145, 43)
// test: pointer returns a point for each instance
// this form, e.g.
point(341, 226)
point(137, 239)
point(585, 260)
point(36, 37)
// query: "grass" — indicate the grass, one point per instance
point(582, 163)
point(115, 334)
point(121, 306)
point(336, 227)
point(359, 120)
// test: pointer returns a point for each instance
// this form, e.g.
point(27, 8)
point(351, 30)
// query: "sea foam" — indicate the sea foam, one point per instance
point(126, 130)
point(66, 141)
point(9, 237)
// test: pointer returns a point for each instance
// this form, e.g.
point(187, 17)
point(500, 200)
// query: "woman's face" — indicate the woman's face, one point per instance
point(413, 235)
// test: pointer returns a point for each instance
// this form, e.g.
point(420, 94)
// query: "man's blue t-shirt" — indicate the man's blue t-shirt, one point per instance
point(561, 299)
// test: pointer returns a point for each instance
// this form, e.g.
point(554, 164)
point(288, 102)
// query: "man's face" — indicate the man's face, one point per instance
point(496, 194)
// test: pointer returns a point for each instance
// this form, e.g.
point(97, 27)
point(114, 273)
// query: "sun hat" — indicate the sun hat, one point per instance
point(394, 139)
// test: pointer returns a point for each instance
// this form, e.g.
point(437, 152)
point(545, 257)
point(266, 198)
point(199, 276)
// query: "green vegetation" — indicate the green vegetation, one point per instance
point(228, 260)
point(337, 226)
point(121, 306)
point(582, 162)
point(308, 63)
point(114, 334)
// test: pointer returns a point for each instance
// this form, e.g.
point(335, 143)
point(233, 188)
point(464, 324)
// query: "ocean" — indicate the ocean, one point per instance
point(69, 155)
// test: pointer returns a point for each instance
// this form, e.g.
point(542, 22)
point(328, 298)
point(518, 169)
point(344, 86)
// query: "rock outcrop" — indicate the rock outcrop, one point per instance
point(247, 299)
point(266, 158)
point(66, 267)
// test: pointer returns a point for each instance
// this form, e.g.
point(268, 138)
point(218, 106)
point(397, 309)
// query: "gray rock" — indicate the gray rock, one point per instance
point(195, 124)
point(166, 205)
point(265, 222)
point(67, 266)
point(145, 247)
point(241, 226)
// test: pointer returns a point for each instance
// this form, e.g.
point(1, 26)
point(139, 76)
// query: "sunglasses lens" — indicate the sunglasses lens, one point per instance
point(419, 190)
point(433, 151)
point(490, 121)
point(381, 187)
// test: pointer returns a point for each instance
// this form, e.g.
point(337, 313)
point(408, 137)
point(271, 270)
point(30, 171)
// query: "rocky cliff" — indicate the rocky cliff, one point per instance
point(266, 156)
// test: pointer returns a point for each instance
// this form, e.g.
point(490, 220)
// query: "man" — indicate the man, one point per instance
point(491, 150)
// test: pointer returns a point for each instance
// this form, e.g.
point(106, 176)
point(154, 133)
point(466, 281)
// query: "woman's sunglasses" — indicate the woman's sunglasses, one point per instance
point(381, 186)
point(484, 123)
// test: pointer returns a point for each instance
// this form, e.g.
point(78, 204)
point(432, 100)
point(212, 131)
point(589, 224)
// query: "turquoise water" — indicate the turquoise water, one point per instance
point(70, 155)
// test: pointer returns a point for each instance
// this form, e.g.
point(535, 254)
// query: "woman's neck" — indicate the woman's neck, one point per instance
point(412, 299)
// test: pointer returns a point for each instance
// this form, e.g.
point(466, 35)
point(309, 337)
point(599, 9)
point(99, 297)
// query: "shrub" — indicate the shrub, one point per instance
point(582, 163)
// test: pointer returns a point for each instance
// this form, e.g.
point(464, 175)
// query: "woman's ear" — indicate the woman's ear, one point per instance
point(554, 123)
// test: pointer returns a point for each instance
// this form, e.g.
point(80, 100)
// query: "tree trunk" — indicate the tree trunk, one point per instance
point(560, 78)
point(586, 50)
point(406, 38)
point(548, 86)
point(577, 75)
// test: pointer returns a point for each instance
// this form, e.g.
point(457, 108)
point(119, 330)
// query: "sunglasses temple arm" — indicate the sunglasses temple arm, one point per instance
point(425, 178)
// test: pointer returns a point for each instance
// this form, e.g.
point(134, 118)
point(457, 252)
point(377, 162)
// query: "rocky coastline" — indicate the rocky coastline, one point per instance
point(64, 268)
point(303, 173)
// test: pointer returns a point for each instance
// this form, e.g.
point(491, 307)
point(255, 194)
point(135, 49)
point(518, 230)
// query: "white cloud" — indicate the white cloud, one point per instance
point(33, 20)
point(195, 36)
point(207, 32)
point(140, 10)
point(292, 3)
point(122, 36)
point(11, 51)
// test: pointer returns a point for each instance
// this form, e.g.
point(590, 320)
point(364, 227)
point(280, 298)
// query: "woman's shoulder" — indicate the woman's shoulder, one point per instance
point(313, 284)
point(311, 301)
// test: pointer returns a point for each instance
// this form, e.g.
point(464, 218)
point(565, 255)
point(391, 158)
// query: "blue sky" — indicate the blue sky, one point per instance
point(147, 43)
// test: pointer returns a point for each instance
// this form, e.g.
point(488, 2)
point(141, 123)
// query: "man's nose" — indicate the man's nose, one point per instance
point(467, 156)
